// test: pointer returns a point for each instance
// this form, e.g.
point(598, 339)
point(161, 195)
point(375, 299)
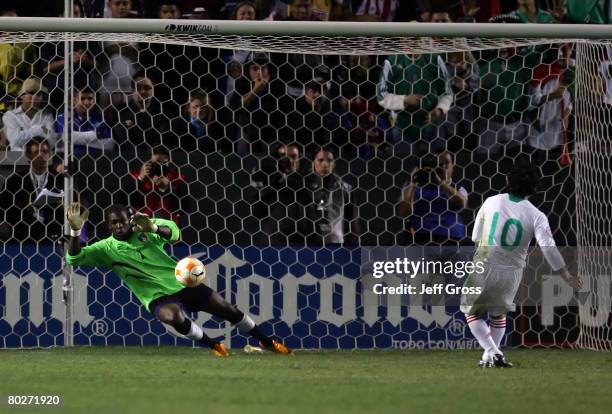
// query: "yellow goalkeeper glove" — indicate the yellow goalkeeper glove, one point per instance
point(142, 223)
point(77, 216)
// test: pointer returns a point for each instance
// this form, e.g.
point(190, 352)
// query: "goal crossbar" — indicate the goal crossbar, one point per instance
point(297, 28)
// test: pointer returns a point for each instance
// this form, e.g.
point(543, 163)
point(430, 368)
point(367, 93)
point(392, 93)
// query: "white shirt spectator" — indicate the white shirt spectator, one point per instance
point(19, 128)
point(383, 9)
point(550, 124)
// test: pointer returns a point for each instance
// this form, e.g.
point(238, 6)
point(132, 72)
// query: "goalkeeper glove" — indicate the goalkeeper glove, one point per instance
point(77, 216)
point(142, 223)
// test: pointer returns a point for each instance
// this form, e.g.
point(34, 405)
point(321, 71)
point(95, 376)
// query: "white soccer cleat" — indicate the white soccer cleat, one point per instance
point(486, 360)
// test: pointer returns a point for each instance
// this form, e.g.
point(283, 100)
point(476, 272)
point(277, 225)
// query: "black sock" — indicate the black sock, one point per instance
point(258, 334)
point(209, 342)
point(183, 327)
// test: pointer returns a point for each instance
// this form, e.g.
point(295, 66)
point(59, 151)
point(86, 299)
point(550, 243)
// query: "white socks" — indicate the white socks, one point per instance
point(498, 328)
point(481, 332)
point(246, 324)
point(195, 332)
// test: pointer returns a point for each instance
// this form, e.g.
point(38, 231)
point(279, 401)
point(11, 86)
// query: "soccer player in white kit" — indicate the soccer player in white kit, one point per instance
point(504, 227)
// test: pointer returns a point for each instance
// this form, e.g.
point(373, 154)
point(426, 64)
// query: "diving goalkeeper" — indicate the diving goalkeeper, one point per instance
point(135, 253)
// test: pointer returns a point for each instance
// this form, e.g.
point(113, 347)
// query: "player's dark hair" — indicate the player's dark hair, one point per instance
point(37, 140)
point(523, 179)
point(117, 209)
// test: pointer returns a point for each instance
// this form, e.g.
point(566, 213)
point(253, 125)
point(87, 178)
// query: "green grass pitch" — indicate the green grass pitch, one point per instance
point(184, 380)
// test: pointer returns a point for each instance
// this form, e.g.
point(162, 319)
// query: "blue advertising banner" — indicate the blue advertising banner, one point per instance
point(309, 298)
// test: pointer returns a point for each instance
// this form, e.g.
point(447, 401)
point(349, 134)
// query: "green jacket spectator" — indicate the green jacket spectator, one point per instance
point(418, 87)
point(588, 11)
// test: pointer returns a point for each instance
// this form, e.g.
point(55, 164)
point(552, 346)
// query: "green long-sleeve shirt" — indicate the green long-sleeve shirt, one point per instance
point(141, 262)
point(425, 75)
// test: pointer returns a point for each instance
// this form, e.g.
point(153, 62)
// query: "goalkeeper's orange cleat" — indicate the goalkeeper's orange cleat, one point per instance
point(219, 350)
point(277, 348)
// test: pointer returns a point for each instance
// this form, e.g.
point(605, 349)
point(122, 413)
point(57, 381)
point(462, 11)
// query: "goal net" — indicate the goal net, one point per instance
point(220, 127)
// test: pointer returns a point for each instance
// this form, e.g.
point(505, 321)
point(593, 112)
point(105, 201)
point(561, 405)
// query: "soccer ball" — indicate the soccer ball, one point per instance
point(190, 272)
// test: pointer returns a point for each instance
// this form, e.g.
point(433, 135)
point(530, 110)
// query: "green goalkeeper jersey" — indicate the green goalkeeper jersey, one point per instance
point(141, 262)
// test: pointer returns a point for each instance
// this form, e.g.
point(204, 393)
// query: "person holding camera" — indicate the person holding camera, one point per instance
point(161, 188)
point(433, 203)
point(273, 193)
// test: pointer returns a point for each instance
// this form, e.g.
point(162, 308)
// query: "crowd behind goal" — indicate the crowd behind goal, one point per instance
point(243, 147)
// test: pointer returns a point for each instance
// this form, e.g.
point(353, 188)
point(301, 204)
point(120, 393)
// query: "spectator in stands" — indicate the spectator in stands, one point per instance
point(245, 10)
point(204, 9)
point(374, 10)
point(273, 194)
point(433, 204)
point(586, 11)
point(178, 69)
point(255, 106)
point(503, 98)
point(440, 16)
point(312, 123)
point(78, 11)
point(161, 190)
point(141, 124)
point(30, 118)
point(529, 12)
point(465, 79)
point(168, 9)
point(296, 70)
point(549, 95)
point(90, 133)
point(368, 127)
point(197, 128)
point(16, 63)
point(119, 62)
point(419, 88)
point(236, 59)
point(300, 10)
point(330, 216)
point(31, 215)
point(84, 57)
point(471, 11)
point(322, 9)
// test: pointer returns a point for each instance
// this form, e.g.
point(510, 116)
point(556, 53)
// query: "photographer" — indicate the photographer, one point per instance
point(330, 216)
point(273, 194)
point(161, 188)
point(433, 204)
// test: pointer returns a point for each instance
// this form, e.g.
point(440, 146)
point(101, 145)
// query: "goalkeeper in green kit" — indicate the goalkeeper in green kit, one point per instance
point(135, 253)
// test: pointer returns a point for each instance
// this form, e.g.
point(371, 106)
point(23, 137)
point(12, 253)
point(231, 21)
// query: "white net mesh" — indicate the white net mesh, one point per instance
point(594, 211)
point(317, 45)
point(241, 119)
